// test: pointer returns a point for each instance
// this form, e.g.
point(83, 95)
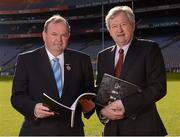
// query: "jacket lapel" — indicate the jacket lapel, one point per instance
point(130, 59)
point(68, 66)
point(110, 59)
point(48, 75)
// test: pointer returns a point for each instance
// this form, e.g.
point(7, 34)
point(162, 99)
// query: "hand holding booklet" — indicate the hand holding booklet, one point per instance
point(59, 107)
point(112, 88)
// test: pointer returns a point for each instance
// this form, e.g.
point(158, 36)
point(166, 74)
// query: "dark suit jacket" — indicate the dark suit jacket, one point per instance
point(143, 66)
point(34, 76)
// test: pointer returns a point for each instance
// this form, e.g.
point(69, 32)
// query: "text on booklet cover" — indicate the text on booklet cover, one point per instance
point(112, 88)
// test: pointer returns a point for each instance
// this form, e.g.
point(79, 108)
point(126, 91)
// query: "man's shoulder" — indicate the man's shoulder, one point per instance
point(31, 52)
point(146, 42)
point(108, 49)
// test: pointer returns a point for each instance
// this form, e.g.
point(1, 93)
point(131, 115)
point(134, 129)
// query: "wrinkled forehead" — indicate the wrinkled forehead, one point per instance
point(119, 15)
point(56, 21)
point(58, 26)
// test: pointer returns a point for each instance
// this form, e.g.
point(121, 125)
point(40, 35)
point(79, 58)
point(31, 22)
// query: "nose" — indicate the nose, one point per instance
point(59, 38)
point(120, 28)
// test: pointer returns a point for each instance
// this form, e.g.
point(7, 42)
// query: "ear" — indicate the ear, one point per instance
point(69, 34)
point(110, 32)
point(133, 27)
point(44, 36)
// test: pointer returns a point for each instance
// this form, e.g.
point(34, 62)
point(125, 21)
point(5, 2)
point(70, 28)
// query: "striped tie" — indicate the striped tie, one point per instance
point(57, 74)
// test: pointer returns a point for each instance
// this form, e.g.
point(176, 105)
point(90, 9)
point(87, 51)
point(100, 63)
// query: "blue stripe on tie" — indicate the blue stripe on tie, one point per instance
point(57, 74)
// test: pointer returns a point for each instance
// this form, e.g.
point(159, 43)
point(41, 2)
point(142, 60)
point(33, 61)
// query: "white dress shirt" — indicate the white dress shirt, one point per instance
point(61, 61)
point(125, 48)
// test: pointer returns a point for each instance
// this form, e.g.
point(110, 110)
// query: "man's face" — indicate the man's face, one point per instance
point(121, 29)
point(56, 38)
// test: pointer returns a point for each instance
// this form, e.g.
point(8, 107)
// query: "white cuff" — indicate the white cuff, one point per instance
point(103, 119)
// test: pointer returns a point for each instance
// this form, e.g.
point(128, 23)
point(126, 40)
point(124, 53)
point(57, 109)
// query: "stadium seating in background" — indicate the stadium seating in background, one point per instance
point(21, 24)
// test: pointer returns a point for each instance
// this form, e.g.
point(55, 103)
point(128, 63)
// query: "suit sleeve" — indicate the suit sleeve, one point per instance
point(88, 75)
point(89, 81)
point(100, 73)
point(20, 99)
point(155, 84)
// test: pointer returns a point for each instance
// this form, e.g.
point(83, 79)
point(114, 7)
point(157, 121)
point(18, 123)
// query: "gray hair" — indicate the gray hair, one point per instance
point(118, 9)
point(56, 19)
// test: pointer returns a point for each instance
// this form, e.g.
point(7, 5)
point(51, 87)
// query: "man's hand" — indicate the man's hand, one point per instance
point(87, 105)
point(114, 111)
point(41, 111)
point(119, 106)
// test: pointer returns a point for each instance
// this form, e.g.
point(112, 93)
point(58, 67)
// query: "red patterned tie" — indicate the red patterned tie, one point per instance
point(118, 68)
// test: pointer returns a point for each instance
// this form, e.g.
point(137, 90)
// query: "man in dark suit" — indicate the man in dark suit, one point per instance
point(143, 65)
point(34, 76)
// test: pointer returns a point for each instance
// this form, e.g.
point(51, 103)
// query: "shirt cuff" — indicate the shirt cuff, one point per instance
point(35, 115)
point(103, 119)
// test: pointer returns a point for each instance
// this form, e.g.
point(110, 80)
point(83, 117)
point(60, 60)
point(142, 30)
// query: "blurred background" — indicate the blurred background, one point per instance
point(21, 24)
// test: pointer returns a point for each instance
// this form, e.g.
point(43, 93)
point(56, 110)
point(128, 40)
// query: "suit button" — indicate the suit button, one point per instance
point(133, 116)
point(139, 90)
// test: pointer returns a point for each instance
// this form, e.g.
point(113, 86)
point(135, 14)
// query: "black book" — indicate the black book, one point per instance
point(58, 107)
point(112, 88)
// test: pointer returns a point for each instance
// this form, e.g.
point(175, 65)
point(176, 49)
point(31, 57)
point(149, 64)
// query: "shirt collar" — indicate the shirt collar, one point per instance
point(51, 57)
point(125, 48)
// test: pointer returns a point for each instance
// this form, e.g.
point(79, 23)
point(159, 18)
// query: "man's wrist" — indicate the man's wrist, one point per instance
point(103, 119)
point(35, 114)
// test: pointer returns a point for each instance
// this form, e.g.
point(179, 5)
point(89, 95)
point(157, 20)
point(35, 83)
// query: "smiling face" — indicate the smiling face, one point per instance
point(121, 29)
point(56, 37)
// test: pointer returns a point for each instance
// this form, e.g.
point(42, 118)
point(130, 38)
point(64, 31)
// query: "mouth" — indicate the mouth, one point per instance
point(58, 44)
point(120, 35)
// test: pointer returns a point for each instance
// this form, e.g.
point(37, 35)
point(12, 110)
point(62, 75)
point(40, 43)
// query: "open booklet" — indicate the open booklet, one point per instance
point(58, 107)
point(112, 88)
